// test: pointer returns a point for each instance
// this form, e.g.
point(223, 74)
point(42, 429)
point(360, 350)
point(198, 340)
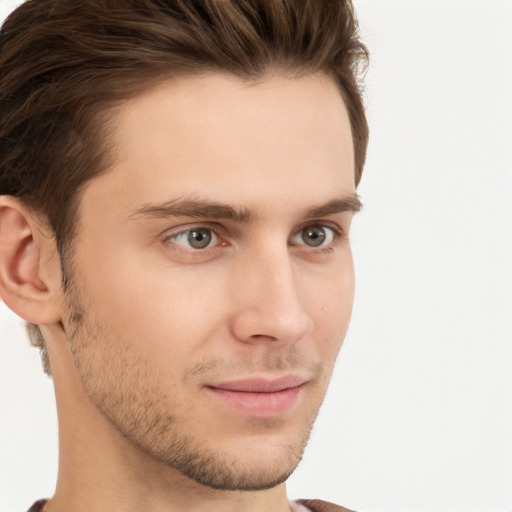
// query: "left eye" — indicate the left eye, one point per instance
point(195, 238)
point(314, 236)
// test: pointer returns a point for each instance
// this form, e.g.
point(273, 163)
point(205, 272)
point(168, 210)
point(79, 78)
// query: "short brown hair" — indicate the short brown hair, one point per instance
point(65, 63)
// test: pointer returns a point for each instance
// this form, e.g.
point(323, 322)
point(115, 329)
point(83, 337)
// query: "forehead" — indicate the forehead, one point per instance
point(233, 140)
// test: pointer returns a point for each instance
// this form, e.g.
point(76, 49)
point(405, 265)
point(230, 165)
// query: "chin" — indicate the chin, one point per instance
point(230, 474)
point(254, 463)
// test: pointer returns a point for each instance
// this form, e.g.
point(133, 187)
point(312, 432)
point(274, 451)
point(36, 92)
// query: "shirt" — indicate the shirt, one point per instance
point(297, 506)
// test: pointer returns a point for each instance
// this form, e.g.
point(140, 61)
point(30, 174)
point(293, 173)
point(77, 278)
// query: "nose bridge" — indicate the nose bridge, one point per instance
point(269, 302)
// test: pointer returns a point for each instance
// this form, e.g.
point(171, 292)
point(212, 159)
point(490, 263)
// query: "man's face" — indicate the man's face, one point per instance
point(212, 276)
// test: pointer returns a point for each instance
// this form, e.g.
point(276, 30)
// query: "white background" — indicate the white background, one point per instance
point(419, 414)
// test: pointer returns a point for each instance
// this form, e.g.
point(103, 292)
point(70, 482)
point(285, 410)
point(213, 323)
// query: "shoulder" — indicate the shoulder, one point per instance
point(37, 506)
point(321, 506)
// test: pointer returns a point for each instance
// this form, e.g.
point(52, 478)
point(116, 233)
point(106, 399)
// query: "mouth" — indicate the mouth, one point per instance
point(259, 397)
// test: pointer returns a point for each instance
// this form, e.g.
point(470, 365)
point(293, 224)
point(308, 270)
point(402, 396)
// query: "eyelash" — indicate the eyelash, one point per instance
point(337, 235)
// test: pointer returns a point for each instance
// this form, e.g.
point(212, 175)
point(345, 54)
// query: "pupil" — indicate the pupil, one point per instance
point(199, 238)
point(314, 236)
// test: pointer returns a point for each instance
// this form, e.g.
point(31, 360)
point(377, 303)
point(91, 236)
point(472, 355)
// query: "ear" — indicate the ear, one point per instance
point(30, 276)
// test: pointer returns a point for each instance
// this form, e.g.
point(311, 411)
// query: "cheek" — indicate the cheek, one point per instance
point(164, 311)
point(331, 288)
point(331, 303)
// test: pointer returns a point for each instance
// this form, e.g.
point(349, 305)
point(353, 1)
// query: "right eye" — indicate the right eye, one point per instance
point(195, 238)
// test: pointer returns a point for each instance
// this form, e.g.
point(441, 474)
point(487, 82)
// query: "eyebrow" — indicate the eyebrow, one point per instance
point(214, 210)
point(345, 204)
point(194, 208)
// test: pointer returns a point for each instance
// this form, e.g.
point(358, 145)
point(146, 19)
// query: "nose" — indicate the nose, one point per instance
point(268, 303)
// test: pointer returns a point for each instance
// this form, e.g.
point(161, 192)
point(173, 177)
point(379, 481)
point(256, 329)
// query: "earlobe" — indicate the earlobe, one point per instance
point(29, 282)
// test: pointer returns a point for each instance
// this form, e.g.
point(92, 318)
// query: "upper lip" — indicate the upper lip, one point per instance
point(261, 384)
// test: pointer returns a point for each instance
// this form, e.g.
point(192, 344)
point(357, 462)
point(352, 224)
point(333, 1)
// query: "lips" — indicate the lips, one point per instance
point(259, 397)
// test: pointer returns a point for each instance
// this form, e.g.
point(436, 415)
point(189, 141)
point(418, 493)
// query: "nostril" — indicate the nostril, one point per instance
point(263, 336)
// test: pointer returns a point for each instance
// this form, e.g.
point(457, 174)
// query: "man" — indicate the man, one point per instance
point(177, 184)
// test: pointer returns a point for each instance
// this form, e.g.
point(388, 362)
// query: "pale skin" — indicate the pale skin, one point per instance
point(253, 167)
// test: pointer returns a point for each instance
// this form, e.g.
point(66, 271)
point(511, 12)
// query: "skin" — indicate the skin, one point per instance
point(150, 323)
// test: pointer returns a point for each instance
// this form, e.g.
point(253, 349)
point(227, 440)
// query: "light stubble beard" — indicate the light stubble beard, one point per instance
point(124, 389)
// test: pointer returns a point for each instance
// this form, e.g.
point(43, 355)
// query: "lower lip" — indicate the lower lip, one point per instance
point(259, 405)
